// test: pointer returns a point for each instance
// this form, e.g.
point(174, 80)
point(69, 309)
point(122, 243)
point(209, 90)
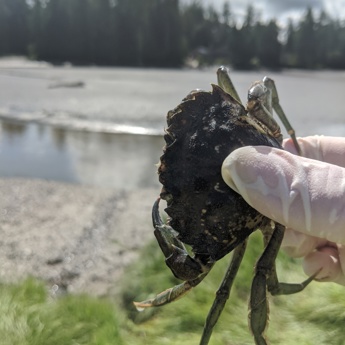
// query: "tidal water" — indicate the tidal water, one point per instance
point(104, 126)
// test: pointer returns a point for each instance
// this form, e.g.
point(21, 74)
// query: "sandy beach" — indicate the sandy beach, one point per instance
point(76, 238)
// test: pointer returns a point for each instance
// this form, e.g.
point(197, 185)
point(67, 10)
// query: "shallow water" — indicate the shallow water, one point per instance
point(122, 161)
point(103, 126)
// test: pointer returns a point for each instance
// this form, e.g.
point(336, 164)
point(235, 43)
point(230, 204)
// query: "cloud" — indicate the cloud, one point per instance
point(281, 6)
point(281, 10)
point(278, 8)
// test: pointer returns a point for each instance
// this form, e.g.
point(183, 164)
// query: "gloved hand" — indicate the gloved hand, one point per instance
point(306, 194)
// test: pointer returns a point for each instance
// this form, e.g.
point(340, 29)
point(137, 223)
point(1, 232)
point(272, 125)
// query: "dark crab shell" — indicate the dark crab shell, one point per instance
point(202, 131)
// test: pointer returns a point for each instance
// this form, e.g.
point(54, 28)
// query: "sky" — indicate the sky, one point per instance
point(282, 10)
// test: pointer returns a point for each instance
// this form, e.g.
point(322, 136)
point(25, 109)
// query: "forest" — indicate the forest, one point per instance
point(166, 33)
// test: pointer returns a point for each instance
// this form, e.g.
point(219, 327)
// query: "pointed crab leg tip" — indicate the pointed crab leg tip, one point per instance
point(221, 69)
point(156, 218)
point(139, 306)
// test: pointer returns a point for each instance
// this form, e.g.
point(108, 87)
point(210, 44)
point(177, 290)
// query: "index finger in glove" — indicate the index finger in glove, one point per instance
point(300, 193)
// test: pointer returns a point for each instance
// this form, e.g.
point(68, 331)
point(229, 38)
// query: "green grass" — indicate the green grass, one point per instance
point(29, 316)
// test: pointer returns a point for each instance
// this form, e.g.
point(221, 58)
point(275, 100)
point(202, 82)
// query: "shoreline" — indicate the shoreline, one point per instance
point(76, 238)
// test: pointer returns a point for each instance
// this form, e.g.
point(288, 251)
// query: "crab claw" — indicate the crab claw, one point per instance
point(182, 265)
point(178, 260)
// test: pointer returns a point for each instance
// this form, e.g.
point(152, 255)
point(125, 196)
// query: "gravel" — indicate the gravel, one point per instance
point(76, 238)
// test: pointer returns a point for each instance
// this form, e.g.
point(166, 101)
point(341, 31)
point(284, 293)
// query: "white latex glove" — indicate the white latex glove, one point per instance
point(304, 194)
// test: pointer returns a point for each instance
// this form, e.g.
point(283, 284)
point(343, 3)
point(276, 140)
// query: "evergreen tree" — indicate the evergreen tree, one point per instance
point(194, 27)
point(129, 17)
point(269, 48)
point(55, 33)
point(226, 13)
point(77, 42)
point(289, 57)
point(306, 41)
point(101, 32)
point(244, 46)
point(162, 44)
point(35, 29)
point(14, 38)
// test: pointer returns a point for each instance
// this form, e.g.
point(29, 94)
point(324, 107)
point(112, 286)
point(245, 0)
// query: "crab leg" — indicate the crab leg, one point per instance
point(223, 293)
point(226, 84)
point(270, 84)
point(258, 304)
point(266, 278)
point(169, 295)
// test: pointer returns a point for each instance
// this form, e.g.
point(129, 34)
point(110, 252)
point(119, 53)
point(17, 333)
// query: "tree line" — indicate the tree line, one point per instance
point(165, 33)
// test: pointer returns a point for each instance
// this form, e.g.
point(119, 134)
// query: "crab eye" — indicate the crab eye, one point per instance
point(257, 91)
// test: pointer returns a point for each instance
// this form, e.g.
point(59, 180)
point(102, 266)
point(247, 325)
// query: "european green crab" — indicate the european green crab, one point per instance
point(204, 212)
